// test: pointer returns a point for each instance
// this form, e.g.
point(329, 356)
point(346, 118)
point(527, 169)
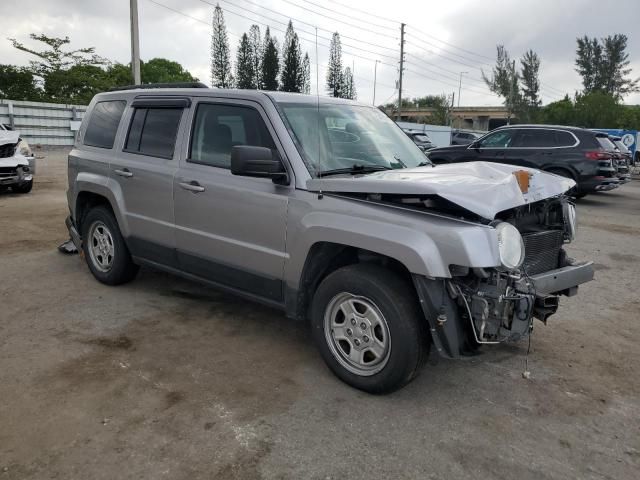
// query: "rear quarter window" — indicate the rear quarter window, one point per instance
point(564, 139)
point(103, 123)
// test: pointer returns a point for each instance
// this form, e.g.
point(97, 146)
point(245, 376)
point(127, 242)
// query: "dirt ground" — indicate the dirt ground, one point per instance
point(163, 378)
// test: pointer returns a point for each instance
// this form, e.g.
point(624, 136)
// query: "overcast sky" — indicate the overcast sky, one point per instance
point(443, 38)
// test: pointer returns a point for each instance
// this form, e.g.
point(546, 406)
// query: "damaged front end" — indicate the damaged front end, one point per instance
point(493, 305)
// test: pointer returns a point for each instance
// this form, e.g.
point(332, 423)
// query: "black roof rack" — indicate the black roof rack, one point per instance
point(160, 85)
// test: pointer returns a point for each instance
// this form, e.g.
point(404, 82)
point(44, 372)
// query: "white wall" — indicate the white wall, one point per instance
point(42, 123)
point(440, 135)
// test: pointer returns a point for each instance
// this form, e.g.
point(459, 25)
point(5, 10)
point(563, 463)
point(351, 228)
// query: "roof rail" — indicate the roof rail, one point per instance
point(160, 85)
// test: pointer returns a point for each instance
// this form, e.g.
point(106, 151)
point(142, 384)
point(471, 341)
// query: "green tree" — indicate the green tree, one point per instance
point(255, 42)
point(161, 70)
point(18, 83)
point(334, 69)
point(562, 112)
point(77, 84)
point(530, 82)
point(291, 74)
point(270, 63)
point(597, 110)
point(504, 80)
point(604, 65)
point(56, 57)
point(306, 74)
point(245, 76)
point(439, 105)
point(348, 88)
point(221, 75)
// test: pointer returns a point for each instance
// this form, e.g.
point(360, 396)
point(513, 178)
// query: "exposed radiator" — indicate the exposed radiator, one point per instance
point(542, 251)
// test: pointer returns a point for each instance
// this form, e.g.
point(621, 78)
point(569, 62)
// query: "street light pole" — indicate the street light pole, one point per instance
point(375, 79)
point(135, 43)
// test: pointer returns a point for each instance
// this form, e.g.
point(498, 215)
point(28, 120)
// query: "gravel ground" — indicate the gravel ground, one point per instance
point(163, 378)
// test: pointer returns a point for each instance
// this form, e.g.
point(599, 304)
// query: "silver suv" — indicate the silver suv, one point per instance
point(325, 209)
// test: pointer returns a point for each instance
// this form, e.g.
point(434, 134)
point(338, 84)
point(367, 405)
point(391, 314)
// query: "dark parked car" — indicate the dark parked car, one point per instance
point(571, 152)
point(460, 137)
point(421, 139)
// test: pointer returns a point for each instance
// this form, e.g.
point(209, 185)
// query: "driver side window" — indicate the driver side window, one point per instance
point(500, 139)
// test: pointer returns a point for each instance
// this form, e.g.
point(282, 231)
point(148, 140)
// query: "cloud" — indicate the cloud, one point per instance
point(549, 27)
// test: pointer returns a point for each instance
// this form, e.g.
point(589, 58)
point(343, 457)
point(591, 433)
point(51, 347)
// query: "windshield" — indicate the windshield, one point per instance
point(606, 144)
point(331, 137)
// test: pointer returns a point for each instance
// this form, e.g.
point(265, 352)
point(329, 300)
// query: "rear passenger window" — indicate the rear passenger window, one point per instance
point(564, 139)
point(218, 128)
point(153, 131)
point(535, 138)
point(103, 124)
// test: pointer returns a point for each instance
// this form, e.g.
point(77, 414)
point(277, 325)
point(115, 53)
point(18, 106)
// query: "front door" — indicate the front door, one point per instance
point(230, 229)
point(144, 172)
point(492, 147)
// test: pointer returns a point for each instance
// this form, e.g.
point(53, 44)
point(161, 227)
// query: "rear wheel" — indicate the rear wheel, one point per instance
point(369, 328)
point(104, 248)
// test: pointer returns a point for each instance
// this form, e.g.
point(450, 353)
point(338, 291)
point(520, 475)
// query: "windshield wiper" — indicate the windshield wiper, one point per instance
point(355, 169)
point(425, 164)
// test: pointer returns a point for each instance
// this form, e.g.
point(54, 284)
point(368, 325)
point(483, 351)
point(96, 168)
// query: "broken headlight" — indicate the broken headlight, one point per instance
point(570, 220)
point(510, 246)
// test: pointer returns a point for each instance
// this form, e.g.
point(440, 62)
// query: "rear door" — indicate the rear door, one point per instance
point(230, 229)
point(144, 172)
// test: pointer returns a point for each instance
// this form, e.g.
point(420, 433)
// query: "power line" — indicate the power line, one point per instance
point(339, 20)
point(454, 46)
point(359, 20)
point(226, 9)
point(364, 12)
point(289, 17)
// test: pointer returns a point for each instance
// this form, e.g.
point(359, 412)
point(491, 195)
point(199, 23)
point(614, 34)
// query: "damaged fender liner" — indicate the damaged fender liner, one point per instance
point(448, 337)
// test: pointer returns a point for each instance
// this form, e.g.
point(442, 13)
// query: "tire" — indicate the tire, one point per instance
point(104, 248)
point(24, 188)
point(392, 344)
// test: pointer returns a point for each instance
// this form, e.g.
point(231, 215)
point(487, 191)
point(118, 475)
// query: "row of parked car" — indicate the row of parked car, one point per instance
point(595, 160)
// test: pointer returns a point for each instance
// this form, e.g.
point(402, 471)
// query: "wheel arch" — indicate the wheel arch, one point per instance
point(326, 257)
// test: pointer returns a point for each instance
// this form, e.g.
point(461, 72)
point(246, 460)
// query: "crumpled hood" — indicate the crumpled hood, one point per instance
point(8, 136)
point(483, 188)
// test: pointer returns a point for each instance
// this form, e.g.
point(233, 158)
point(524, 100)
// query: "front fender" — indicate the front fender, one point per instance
point(425, 245)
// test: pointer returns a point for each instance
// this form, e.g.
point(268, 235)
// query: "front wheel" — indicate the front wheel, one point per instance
point(24, 188)
point(369, 328)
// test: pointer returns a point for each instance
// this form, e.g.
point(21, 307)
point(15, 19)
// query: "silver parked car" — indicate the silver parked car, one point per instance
point(325, 209)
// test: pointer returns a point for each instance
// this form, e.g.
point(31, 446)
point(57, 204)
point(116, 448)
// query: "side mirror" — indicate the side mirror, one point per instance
point(475, 144)
point(248, 161)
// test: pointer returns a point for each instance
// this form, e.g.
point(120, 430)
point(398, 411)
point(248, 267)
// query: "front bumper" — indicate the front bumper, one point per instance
point(563, 280)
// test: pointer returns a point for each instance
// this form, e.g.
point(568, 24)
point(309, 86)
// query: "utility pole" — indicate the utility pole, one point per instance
point(511, 80)
point(375, 79)
point(460, 87)
point(135, 43)
point(402, 25)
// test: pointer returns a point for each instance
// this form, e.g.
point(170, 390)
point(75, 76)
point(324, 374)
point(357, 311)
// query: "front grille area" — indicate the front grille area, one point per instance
point(8, 150)
point(542, 251)
point(8, 172)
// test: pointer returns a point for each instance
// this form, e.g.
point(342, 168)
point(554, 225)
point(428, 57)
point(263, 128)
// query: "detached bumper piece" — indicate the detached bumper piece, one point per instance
point(73, 233)
point(562, 281)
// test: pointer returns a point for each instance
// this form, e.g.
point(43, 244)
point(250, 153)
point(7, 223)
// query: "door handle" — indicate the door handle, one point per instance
point(192, 186)
point(125, 172)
